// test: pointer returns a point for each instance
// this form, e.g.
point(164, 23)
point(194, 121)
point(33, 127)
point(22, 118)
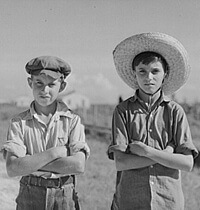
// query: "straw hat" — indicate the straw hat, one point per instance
point(170, 48)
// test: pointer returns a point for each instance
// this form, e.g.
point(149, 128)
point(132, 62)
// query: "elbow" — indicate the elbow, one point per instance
point(119, 163)
point(13, 170)
point(10, 172)
point(118, 166)
point(188, 168)
point(189, 165)
point(80, 167)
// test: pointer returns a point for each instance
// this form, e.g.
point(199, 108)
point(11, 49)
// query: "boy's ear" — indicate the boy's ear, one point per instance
point(30, 82)
point(62, 86)
point(165, 76)
point(134, 74)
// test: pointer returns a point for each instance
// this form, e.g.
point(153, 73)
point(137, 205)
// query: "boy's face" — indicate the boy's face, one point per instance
point(150, 77)
point(45, 88)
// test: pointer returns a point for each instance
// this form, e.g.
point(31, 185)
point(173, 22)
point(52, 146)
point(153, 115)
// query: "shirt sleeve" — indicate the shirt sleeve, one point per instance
point(77, 138)
point(119, 134)
point(182, 135)
point(14, 143)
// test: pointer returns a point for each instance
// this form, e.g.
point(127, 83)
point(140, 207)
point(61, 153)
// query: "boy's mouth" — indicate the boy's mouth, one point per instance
point(149, 84)
point(44, 96)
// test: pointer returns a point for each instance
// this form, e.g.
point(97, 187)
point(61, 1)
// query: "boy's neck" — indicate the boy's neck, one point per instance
point(45, 110)
point(149, 99)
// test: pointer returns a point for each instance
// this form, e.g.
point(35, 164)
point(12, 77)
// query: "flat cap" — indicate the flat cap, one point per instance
point(48, 63)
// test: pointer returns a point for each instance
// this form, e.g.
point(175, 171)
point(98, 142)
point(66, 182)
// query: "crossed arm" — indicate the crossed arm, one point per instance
point(143, 155)
point(52, 160)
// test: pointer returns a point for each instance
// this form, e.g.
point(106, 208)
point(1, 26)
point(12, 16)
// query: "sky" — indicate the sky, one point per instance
point(84, 33)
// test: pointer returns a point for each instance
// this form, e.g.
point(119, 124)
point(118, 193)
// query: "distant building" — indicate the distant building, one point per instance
point(4, 101)
point(23, 101)
point(75, 100)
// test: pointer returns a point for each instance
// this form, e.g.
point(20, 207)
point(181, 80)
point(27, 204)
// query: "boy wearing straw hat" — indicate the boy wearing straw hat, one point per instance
point(46, 144)
point(151, 141)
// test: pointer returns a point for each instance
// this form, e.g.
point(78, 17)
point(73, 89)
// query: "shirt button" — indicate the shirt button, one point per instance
point(152, 182)
point(151, 166)
point(150, 130)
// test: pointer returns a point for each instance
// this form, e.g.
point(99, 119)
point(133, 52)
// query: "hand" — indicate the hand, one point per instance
point(139, 148)
point(59, 152)
point(169, 149)
point(77, 146)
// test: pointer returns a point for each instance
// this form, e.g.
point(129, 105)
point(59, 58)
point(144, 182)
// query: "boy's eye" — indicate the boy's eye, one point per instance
point(51, 85)
point(142, 71)
point(38, 83)
point(155, 71)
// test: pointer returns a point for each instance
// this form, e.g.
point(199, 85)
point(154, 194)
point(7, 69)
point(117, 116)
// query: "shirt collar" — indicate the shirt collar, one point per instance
point(61, 110)
point(163, 98)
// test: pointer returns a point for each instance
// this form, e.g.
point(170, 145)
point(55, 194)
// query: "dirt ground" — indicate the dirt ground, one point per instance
point(8, 189)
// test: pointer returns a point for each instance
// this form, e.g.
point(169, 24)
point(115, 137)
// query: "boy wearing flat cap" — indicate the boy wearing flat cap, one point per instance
point(151, 140)
point(46, 144)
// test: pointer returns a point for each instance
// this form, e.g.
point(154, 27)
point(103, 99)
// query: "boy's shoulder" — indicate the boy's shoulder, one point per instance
point(123, 106)
point(25, 115)
point(64, 110)
point(174, 105)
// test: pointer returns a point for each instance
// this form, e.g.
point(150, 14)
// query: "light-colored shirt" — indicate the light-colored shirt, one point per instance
point(28, 135)
point(155, 187)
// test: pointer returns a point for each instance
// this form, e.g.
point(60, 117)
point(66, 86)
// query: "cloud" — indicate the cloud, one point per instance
point(97, 87)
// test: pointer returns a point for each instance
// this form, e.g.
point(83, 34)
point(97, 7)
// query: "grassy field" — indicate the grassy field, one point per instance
point(96, 185)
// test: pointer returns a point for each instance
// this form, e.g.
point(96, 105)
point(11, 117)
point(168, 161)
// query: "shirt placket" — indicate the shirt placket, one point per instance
point(152, 172)
point(48, 134)
point(42, 129)
point(45, 130)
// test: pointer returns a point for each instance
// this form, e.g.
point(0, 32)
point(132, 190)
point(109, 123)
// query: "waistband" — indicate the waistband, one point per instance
point(46, 182)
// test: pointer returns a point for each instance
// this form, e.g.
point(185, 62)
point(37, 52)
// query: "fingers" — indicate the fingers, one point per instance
point(77, 146)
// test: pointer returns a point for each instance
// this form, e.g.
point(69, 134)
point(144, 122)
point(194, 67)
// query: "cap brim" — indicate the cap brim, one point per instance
point(53, 74)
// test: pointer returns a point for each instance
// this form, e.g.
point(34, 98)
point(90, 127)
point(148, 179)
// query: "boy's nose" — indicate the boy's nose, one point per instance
point(149, 75)
point(45, 88)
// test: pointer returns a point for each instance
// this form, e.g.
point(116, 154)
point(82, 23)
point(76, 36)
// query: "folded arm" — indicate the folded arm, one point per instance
point(171, 160)
point(174, 160)
point(124, 161)
point(74, 164)
point(20, 166)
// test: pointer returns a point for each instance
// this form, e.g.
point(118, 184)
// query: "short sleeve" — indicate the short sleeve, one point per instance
point(182, 135)
point(119, 134)
point(14, 143)
point(77, 137)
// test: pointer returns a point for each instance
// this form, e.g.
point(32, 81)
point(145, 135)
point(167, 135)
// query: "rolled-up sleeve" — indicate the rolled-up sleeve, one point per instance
point(14, 143)
point(77, 138)
point(119, 134)
point(182, 135)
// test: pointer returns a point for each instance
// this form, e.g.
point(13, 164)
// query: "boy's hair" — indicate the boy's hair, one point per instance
point(148, 57)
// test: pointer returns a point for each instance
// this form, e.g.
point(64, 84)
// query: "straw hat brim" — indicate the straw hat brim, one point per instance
point(171, 49)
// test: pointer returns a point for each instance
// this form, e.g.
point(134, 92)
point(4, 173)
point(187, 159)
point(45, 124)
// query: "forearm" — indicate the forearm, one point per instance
point(29, 163)
point(124, 161)
point(67, 165)
point(171, 160)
